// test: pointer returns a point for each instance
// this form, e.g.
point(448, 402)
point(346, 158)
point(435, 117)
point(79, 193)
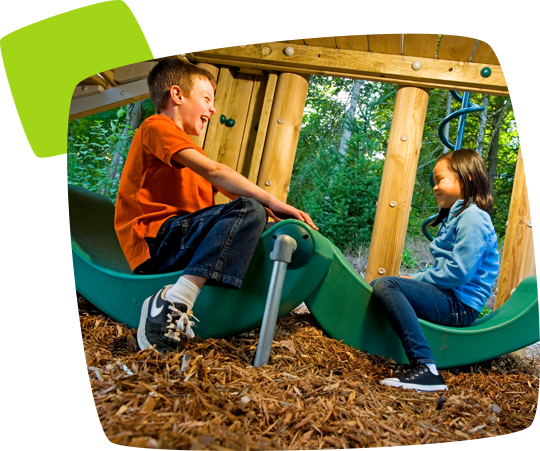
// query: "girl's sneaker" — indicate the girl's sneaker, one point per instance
point(419, 378)
point(162, 323)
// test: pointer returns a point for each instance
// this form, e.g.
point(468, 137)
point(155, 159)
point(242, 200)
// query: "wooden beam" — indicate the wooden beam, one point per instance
point(95, 80)
point(108, 75)
point(435, 73)
point(86, 90)
point(517, 260)
point(161, 47)
point(385, 43)
point(183, 37)
point(108, 99)
point(456, 48)
point(283, 133)
point(262, 128)
point(422, 45)
point(352, 43)
point(397, 184)
point(133, 72)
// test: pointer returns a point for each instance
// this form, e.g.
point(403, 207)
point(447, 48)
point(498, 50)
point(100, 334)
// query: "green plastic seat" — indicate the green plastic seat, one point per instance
point(103, 277)
point(342, 306)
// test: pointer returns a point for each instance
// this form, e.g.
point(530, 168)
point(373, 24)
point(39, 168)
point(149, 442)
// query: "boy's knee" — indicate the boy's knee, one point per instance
point(256, 210)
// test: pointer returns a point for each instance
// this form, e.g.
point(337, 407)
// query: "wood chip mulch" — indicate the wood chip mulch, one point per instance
point(315, 393)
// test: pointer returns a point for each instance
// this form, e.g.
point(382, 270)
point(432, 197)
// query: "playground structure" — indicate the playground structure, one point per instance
point(263, 89)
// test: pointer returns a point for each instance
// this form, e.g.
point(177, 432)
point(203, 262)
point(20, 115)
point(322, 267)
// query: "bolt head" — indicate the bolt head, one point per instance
point(416, 65)
point(289, 51)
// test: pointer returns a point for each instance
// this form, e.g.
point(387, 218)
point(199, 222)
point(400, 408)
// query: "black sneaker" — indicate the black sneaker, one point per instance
point(162, 322)
point(419, 378)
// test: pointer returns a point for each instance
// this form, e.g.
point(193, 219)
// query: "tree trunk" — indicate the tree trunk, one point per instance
point(349, 116)
point(482, 126)
point(493, 146)
point(446, 129)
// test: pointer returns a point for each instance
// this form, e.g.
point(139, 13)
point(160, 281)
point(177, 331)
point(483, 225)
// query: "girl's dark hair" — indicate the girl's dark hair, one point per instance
point(472, 174)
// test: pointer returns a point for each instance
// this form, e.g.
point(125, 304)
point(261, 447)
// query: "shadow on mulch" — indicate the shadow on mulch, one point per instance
point(315, 393)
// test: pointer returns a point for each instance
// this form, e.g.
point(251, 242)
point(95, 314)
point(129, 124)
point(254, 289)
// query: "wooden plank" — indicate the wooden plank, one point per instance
point(160, 45)
point(260, 34)
point(527, 52)
point(419, 83)
point(108, 99)
point(183, 37)
point(251, 125)
point(283, 133)
point(422, 45)
point(517, 260)
point(385, 43)
point(95, 80)
point(228, 32)
point(397, 184)
point(320, 37)
point(222, 99)
point(108, 75)
point(133, 72)
point(495, 45)
point(266, 110)
point(456, 48)
point(352, 43)
point(288, 35)
point(435, 73)
point(199, 140)
point(86, 90)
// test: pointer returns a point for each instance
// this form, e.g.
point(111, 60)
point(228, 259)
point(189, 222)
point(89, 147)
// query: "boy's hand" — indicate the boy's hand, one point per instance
point(275, 207)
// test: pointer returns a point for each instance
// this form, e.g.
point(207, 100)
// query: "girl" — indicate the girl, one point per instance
point(454, 290)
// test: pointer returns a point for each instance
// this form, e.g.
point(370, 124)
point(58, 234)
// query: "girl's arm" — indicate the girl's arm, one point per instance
point(456, 266)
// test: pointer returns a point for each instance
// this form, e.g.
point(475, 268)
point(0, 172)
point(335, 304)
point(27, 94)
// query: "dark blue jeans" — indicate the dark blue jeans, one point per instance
point(216, 242)
point(406, 300)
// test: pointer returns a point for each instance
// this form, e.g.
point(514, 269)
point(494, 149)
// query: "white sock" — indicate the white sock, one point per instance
point(431, 367)
point(184, 292)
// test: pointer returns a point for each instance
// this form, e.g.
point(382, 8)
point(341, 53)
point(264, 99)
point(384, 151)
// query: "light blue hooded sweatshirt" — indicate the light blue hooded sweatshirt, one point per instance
point(466, 256)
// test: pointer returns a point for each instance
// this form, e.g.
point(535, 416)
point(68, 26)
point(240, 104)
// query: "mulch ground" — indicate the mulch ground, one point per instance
point(315, 393)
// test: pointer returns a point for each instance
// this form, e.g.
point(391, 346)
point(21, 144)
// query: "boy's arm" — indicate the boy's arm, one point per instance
point(231, 182)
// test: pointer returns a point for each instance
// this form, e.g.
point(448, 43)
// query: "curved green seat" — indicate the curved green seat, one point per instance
point(104, 278)
point(342, 306)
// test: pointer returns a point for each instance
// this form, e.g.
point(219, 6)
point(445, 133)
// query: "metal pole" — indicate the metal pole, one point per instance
point(281, 255)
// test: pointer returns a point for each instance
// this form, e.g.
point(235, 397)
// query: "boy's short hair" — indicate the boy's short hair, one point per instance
point(173, 71)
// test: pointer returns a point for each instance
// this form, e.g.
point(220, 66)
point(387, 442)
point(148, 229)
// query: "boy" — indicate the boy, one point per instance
point(166, 219)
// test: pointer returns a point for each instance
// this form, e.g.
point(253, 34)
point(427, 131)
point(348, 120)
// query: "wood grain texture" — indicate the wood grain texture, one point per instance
point(352, 43)
point(456, 48)
point(397, 184)
point(517, 260)
point(422, 45)
point(385, 43)
point(495, 45)
point(363, 65)
point(283, 133)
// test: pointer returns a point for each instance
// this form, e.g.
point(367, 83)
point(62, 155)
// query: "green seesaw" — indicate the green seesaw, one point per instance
point(318, 275)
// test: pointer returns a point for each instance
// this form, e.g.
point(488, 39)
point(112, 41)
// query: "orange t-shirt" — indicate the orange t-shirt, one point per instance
point(153, 187)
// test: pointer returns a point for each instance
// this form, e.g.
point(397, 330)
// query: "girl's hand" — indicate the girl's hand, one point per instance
point(405, 277)
point(276, 207)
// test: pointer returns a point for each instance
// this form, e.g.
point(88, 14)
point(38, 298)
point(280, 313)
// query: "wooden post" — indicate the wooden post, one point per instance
point(283, 133)
point(517, 260)
point(397, 184)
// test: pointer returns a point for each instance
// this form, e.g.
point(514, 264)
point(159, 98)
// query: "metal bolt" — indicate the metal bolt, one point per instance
point(416, 65)
point(393, 203)
point(85, 88)
point(404, 138)
point(512, 292)
point(529, 223)
point(289, 51)
point(122, 93)
point(381, 271)
point(280, 120)
point(268, 183)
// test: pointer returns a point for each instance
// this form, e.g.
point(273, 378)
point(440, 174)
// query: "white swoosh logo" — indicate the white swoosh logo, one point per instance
point(154, 310)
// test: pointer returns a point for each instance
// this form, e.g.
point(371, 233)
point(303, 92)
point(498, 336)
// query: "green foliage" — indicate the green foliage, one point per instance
point(91, 146)
point(408, 260)
point(485, 311)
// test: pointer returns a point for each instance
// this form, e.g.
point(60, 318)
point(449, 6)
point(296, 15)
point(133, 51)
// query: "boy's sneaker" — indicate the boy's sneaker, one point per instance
point(162, 322)
point(418, 378)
